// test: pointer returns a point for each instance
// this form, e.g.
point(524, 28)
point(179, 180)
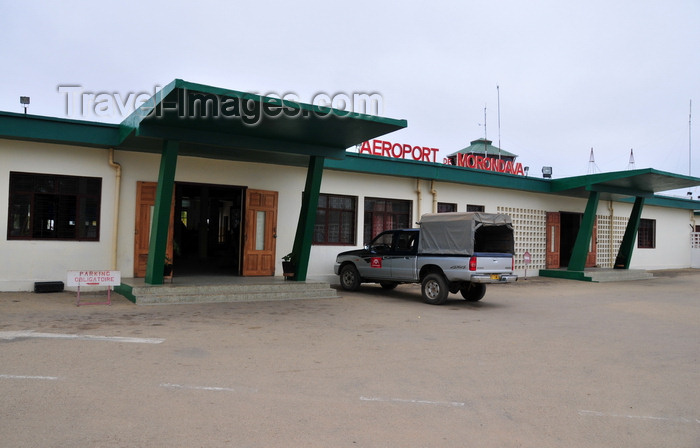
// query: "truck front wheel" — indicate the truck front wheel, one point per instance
point(349, 278)
point(434, 289)
point(473, 292)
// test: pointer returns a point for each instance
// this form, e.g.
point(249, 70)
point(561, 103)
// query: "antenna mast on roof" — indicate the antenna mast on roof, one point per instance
point(630, 165)
point(592, 167)
point(690, 122)
point(498, 93)
point(486, 147)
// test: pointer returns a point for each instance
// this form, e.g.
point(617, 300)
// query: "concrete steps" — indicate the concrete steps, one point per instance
point(598, 275)
point(618, 275)
point(143, 294)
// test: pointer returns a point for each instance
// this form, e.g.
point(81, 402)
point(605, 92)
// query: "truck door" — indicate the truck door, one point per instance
point(403, 256)
point(379, 265)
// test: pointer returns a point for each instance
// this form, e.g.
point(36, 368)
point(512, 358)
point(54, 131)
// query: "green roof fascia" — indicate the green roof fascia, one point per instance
point(371, 164)
point(132, 123)
point(570, 183)
point(642, 178)
point(668, 202)
point(386, 166)
point(16, 126)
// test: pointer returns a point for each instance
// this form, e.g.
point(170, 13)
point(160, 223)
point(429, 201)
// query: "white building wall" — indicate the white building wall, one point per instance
point(26, 262)
point(672, 250)
point(40, 260)
point(32, 261)
point(361, 186)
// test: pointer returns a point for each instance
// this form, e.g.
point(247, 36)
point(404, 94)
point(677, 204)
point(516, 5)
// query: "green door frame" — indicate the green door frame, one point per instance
point(585, 233)
point(161, 214)
point(303, 239)
point(624, 255)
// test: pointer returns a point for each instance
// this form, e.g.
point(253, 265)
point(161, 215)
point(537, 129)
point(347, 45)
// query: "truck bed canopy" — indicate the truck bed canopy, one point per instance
point(456, 233)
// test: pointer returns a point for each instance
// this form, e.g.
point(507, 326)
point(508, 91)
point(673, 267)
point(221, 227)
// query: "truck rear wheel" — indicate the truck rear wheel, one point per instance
point(473, 292)
point(349, 278)
point(434, 289)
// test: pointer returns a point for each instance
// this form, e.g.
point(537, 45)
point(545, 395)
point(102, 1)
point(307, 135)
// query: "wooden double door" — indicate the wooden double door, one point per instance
point(562, 229)
point(244, 232)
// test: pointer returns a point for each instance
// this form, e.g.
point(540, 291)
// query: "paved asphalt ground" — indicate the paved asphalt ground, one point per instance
point(541, 363)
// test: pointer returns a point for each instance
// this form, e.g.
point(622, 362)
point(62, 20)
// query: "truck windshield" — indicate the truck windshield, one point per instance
point(382, 243)
point(494, 239)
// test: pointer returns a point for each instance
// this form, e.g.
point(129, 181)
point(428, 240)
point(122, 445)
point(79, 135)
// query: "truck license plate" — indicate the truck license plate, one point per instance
point(495, 277)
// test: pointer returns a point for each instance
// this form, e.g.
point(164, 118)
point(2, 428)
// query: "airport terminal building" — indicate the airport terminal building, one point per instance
point(200, 189)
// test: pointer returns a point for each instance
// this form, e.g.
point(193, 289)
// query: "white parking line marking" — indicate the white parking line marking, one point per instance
point(10, 335)
point(211, 388)
point(403, 400)
point(638, 417)
point(27, 377)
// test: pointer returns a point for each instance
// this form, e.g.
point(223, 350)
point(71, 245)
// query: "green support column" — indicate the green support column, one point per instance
point(585, 233)
point(161, 214)
point(307, 218)
point(624, 255)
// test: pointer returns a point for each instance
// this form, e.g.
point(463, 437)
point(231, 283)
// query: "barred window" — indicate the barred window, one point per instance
point(335, 220)
point(54, 207)
point(646, 236)
point(446, 207)
point(475, 208)
point(385, 214)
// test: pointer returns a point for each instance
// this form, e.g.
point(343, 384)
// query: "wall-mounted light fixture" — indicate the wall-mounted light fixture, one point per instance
point(24, 101)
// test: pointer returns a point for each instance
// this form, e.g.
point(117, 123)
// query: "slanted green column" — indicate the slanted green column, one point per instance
point(624, 255)
point(307, 218)
point(585, 233)
point(161, 214)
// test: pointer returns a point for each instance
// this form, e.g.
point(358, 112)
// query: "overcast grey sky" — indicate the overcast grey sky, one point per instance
point(611, 75)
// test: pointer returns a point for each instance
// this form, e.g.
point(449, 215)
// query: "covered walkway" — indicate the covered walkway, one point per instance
point(187, 119)
point(635, 185)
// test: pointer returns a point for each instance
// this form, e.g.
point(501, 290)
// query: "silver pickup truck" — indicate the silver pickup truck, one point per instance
point(450, 252)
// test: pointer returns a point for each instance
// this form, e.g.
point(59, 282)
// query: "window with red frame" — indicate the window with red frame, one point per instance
point(385, 214)
point(335, 220)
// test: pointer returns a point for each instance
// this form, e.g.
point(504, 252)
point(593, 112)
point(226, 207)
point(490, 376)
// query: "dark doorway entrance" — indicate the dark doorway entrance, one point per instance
point(208, 232)
point(570, 224)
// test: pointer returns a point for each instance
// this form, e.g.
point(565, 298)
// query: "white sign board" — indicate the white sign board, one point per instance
point(94, 278)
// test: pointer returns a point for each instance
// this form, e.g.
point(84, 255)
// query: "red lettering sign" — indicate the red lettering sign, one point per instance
point(94, 278)
point(488, 164)
point(427, 154)
point(399, 150)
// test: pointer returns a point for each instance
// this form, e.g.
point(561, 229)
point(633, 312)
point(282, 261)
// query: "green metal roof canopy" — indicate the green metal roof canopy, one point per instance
point(619, 184)
point(187, 119)
point(640, 184)
point(227, 124)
